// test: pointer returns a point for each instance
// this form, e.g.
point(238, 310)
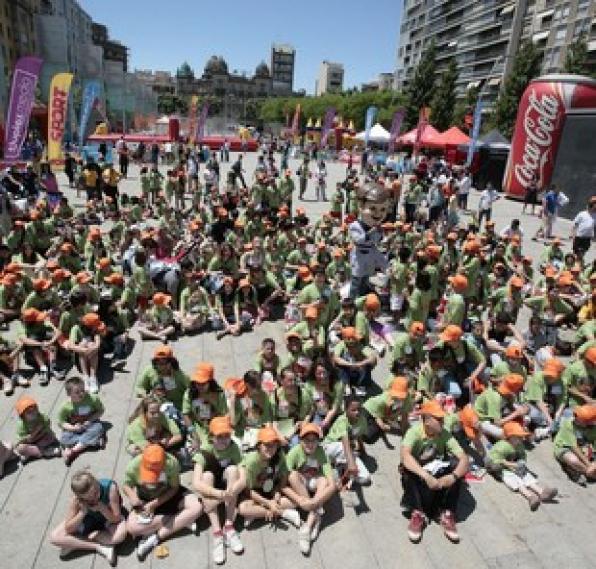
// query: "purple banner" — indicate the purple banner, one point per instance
point(327, 124)
point(22, 97)
point(201, 123)
point(398, 118)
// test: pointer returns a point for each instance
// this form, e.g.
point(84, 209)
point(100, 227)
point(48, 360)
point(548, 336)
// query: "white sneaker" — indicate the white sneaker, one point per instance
point(93, 385)
point(291, 516)
point(108, 552)
point(219, 550)
point(145, 546)
point(304, 540)
point(233, 541)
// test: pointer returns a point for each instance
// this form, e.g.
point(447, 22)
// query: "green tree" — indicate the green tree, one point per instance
point(526, 67)
point(420, 88)
point(577, 57)
point(443, 101)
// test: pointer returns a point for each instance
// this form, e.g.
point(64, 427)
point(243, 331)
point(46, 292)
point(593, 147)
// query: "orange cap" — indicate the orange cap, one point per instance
point(590, 355)
point(516, 282)
point(459, 282)
point(553, 367)
point(471, 246)
point(372, 302)
point(114, 279)
point(308, 429)
point(163, 352)
point(24, 403)
point(399, 387)
point(41, 284)
point(153, 461)
point(33, 315)
point(469, 421)
point(203, 373)
point(52, 265)
point(161, 299)
point(311, 312)
point(451, 334)
point(350, 333)
point(433, 251)
point(585, 413)
point(10, 279)
point(235, 384)
point(565, 279)
point(511, 384)
point(60, 275)
point(304, 273)
point(433, 408)
point(94, 234)
point(267, 435)
point(83, 277)
point(513, 351)
point(220, 426)
point(416, 328)
point(91, 320)
point(34, 215)
point(13, 268)
point(514, 429)
point(104, 263)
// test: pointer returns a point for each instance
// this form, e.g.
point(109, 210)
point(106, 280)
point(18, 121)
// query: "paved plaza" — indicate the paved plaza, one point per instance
point(365, 530)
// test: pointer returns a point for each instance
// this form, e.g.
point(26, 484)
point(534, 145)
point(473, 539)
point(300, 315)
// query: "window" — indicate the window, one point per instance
point(561, 33)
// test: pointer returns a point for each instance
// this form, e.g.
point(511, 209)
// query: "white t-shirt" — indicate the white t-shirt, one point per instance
point(487, 197)
point(584, 224)
point(464, 185)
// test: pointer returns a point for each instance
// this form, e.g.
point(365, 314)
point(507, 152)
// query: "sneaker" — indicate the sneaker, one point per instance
point(21, 381)
point(86, 383)
point(232, 540)
point(449, 527)
point(541, 433)
point(304, 540)
point(533, 502)
point(108, 552)
point(44, 376)
point(416, 526)
point(548, 494)
point(9, 386)
point(291, 516)
point(219, 550)
point(93, 385)
point(65, 552)
point(316, 527)
point(145, 546)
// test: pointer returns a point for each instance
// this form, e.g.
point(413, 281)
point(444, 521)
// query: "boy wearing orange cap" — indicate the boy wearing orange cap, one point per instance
point(495, 407)
point(43, 296)
point(161, 507)
point(575, 443)
point(354, 361)
point(38, 337)
point(579, 379)
point(311, 332)
point(507, 462)
point(432, 467)
point(515, 362)
point(85, 341)
point(320, 295)
point(35, 437)
point(12, 297)
point(311, 482)
point(388, 410)
point(219, 480)
point(455, 308)
point(159, 321)
point(408, 354)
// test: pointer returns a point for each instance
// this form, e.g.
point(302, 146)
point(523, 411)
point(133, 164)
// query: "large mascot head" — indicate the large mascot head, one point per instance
point(373, 203)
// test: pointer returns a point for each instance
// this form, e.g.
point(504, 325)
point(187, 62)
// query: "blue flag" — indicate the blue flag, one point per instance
point(90, 95)
point(475, 131)
point(371, 113)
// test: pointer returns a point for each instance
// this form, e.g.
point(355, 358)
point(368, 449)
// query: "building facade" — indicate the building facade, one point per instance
point(283, 58)
point(331, 78)
point(483, 37)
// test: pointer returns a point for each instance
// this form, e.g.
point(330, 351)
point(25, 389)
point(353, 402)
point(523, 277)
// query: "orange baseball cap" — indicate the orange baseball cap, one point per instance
point(565, 279)
point(83, 277)
point(516, 282)
point(163, 352)
point(31, 315)
point(161, 299)
point(60, 275)
point(514, 429)
point(451, 334)
point(416, 328)
point(13, 268)
point(34, 215)
point(585, 413)
point(469, 421)
point(513, 351)
point(10, 279)
point(41, 284)
point(24, 403)
point(203, 373)
point(153, 461)
point(236, 384)
point(511, 384)
point(114, 279)
point(104, 263)
point(590, 355)
point(91, 320)
point(433, 251)
point(471, 246)
point(94, 234)
point(311, 312)
point(399, 387)
point(220, 426)
point(267, 435)
point(553, 367)
point(372, 302)
point(432, 408)
point(459, 282)
point(310, 428)
point(350, 333)
point(304, 273)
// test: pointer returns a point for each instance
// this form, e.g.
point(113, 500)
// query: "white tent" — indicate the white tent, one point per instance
point(377, 134)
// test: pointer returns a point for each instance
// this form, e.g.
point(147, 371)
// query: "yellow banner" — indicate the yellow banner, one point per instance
point(57, 113)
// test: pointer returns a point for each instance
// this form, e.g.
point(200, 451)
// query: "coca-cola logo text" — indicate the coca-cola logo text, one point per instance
point(540, 121)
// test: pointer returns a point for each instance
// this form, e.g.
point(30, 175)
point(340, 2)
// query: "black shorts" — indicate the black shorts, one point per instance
point(581, 245)
point(172, 506)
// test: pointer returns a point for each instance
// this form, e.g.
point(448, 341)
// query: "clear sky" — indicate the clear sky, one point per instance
point(161, 34)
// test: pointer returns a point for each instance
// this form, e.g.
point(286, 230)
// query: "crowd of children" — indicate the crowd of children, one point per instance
point(469, 388)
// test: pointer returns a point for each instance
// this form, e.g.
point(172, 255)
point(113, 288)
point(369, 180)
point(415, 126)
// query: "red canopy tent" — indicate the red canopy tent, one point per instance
point(429, 133)
point(451, 137)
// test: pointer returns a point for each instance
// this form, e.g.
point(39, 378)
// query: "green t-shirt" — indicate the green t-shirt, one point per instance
point(538, 389)
point(504, 450)
point(169, 478)
point(424, 449)
point(255, 412)
point(343, 428)
point(286, 412)
point(137, 432)
point(311, 466)
point(384, 407)
point(261, 475)
point(202, 408)
point(571, 435)
point(78, 412)
point(455, 310)
point(175, 386)
point(24, 429)
point(194, 301)
point(489, 404)
point(579, 376)
point(406, 350)
point(324, 401)
point(210, 457)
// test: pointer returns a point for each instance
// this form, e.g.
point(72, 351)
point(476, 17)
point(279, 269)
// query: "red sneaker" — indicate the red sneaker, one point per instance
point(449, 527)
point(416, 526)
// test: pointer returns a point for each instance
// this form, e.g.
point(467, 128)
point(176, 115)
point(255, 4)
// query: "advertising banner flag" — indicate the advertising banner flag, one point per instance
point(327, 124)
point(57, 109)
point(423, 117)
point(22, 97)
point(371, 113)
point(475, 131)
point(398, 118)
point(91, 93)
point(201, 123)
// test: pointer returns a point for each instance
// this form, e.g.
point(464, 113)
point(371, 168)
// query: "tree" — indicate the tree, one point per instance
point(577, 57)
point(443, 101)
point(419, 91)
point(526, 67)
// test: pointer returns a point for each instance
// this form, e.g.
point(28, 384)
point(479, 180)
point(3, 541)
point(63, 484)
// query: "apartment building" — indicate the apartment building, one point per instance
point(331, 78)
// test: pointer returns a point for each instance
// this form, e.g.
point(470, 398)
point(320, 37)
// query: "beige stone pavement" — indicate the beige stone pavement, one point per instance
point(497, 529)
